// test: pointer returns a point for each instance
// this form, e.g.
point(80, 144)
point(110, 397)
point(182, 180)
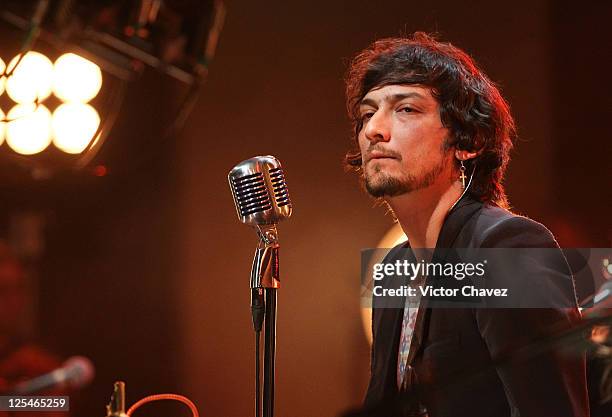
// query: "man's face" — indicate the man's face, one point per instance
point(402, 140)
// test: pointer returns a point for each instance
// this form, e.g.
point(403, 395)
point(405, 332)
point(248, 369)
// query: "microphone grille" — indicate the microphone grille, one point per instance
point(281, 193)
point(260, 191)
point(251, 194)
point(80, 371)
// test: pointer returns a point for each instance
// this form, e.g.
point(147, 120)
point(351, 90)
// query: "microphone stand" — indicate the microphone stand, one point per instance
point(264, 283)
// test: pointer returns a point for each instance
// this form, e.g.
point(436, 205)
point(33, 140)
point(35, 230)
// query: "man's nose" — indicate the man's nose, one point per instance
point(378, 128)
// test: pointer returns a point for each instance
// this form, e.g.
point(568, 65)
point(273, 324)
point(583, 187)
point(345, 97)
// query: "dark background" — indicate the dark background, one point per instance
point(145, 270)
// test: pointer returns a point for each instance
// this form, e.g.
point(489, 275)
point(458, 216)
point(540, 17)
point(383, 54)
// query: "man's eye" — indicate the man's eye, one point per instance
point(367, 116)
point(407, 110)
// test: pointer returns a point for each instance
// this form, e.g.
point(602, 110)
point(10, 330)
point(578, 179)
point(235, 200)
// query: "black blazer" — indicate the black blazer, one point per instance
point(450, 342)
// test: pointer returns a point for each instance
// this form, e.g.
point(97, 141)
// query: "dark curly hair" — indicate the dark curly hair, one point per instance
point(471, 106)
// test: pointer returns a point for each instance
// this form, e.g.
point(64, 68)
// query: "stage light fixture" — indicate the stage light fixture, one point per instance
point(30, 126)
point(74, 126)
point(31, 78)
point(76, 78)
point(100, 49)
point(28, 130)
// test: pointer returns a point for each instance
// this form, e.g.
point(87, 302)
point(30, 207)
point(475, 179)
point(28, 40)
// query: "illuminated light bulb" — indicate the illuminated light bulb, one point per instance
point(76, 78)
point(74, 125)
point(31, 80)
point(29, 128)
point(2, 126)
point(2, 77)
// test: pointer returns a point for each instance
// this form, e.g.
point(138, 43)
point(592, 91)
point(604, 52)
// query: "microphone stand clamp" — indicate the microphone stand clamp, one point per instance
point(264, 272)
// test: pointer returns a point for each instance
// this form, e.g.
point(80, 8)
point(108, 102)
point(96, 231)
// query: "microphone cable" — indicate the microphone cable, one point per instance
point(257, 374)
point(258, 311)
point(159, 397)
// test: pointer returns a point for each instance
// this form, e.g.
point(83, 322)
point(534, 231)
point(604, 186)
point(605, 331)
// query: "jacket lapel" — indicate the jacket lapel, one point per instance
point(453, 224)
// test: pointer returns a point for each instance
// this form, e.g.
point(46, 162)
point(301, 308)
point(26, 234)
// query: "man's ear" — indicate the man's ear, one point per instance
point(463, 155)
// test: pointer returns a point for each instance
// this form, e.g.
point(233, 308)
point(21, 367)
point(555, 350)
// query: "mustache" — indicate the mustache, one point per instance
point(381, 152)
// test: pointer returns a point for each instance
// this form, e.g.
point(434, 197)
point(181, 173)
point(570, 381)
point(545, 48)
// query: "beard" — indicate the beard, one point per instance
point(381, 184)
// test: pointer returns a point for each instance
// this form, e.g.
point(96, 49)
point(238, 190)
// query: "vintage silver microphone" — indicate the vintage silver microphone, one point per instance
point(260, 192)
point(262, 201)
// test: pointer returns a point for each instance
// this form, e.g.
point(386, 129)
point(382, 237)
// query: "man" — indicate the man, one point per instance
point(433, 137)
